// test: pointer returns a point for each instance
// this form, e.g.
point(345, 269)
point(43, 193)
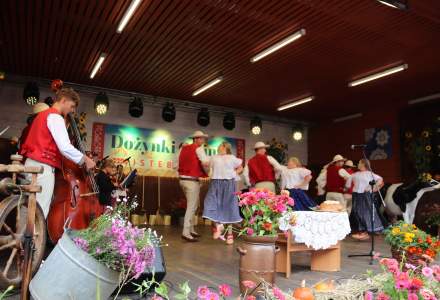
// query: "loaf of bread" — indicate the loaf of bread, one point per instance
point(331, 206)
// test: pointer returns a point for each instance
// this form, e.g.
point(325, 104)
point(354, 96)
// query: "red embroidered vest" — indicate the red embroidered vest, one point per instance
point(260, 169)
point(189, 163)
point(335, 183)
point(39, 144)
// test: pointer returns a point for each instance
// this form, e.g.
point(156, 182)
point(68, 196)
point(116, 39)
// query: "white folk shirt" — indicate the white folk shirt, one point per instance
point(361, 181)
point(223, 166)
point(294, 178)
point(57, 127)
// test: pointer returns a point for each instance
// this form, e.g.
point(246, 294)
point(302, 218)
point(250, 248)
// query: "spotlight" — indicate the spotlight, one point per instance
point(297, 133)
point(256, 126)
point(203, 117)
point(399, 4)
point(229, 121)
point(169, 112)
point(136, 107)
point(101, 104)
point(2, 75)
point(49, 101)
point(31, 93)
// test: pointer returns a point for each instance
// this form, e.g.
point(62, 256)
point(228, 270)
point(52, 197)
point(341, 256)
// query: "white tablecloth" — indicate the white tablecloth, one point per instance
point(318, 230)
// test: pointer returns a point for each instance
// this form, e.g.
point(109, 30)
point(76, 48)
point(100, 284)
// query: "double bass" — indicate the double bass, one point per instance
point(75, 202)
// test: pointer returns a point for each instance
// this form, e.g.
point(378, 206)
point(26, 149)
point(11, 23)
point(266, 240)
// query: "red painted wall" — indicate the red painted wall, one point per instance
point(328, 138)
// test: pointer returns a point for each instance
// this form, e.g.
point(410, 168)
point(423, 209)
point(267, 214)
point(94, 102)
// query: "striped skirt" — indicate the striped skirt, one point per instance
point(361, 211)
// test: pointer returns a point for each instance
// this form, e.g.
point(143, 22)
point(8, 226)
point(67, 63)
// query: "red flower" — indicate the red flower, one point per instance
point(267, 226)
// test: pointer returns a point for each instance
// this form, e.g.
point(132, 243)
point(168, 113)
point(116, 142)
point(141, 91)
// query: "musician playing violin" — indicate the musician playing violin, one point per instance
point(48, 140)
point(105, 182)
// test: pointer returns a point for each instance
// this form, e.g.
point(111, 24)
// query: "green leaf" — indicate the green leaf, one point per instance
point(162, 290)
point(184, 287)
point(181, 297)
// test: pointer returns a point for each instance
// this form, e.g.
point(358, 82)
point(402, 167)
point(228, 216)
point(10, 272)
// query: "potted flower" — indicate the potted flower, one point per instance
point(410, 243)
point(109, 253)
point(261, 210)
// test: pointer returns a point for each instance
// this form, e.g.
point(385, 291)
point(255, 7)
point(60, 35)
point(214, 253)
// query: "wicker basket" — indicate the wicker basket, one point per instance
point(413, 259)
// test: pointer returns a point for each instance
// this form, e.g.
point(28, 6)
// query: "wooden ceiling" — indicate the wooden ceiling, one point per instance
point(170, 48)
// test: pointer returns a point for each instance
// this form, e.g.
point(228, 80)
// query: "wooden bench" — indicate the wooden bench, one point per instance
point(325, 260)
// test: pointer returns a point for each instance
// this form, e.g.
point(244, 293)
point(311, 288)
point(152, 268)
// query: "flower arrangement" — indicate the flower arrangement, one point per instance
point(408, 238)
point(395, 283)
point(223, 291)
point(261, 210)
point(116, 243)
point(277, 150)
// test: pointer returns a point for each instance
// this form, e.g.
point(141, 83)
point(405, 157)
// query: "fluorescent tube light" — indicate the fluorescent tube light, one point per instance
point(399, 4)
point(207, 86)
point(424, 99)
point(280, 44)
point(128, 14)
point(295, 103)
point(346, 118)
point(98, 65)
point(378, 75)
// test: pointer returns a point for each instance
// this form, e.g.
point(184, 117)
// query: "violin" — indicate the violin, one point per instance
point(75, 202)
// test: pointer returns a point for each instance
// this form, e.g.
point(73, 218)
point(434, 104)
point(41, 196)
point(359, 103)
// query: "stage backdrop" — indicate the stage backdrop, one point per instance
point(151, 151)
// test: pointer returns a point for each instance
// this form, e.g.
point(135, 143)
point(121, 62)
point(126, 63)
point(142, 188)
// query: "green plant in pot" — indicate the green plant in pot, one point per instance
point(261, 210)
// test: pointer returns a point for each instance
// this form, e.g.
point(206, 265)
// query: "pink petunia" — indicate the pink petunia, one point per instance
point(368, 295)
point(156, 297)
point(412, 296)
point(212, 296)
point(427, 294)
point(383, 296)
point(225, 290)
point(249, 231)
point(376, 255)
point(249, 284)
point(202, 292)
point(250, 297)
point(427, 272)
point(401, 284)
point(278, 294)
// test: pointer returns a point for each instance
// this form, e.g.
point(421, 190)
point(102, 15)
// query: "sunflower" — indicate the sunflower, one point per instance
point(425, 133)
point(428, 148)
point(408, 134)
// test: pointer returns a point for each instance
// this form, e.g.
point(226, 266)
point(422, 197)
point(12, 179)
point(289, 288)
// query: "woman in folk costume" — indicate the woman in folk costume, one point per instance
point(259, 172)
point(362, 197)
point(295, 179)
point(335, 180)
point(221, 202)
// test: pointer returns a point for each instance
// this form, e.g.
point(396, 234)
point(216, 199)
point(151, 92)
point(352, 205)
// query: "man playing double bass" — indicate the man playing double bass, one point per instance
point(48, 140)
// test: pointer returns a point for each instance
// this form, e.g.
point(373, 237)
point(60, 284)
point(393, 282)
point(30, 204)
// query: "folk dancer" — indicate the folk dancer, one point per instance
point(105, 184)
point(295, 178)
point(335, 180)
point(192, 163)
point(259, 172)
point(221, 202)
point(362, 197)
point(47, 141)
point(351, 169)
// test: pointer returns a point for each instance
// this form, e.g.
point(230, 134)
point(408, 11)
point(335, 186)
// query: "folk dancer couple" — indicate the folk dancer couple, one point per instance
point(221, 205)
point(351, 188)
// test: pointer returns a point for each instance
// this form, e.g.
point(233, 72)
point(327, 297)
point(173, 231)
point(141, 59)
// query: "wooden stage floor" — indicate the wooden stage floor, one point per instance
point(211, 262)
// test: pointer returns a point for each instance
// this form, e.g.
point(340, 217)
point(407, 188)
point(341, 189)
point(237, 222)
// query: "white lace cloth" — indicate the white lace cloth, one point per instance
point(318, 230)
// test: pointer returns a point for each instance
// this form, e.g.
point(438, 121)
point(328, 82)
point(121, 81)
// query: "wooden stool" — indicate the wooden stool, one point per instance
point(325, 260)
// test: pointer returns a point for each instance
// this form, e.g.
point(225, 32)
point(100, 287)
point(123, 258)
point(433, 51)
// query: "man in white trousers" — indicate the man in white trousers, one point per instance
point(47, 141)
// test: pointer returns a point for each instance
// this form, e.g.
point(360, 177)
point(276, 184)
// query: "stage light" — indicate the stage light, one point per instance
point(128, 14)
point(399, 4)
point(49, 101)
point(203, 117)
point(136, 107)
point(229, 121)
point(169, 112)
point(101, 104)
point(31, 93)
point(2, 75)
point(378, 75)
point(256, 126)
point(284, 42)
point(98, 65)
point(295, 103)
point(297, 133)
point(207, 86)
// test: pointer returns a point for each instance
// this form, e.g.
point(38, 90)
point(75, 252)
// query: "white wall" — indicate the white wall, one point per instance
point(13, 112)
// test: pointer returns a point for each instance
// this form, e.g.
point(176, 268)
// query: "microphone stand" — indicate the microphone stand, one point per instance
point(372, 183)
